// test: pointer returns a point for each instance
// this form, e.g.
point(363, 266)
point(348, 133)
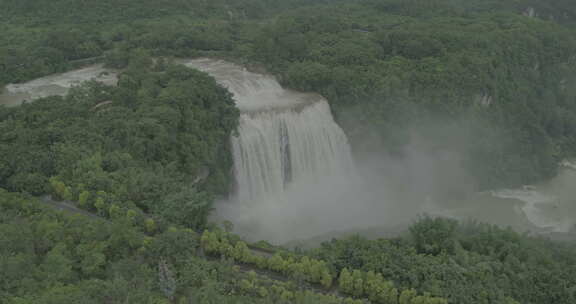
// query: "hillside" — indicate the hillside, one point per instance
point(490, 85)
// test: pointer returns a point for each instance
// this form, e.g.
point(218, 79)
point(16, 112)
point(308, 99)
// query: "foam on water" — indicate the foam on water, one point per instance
point(253, 92)
point(534, 208)
point(57, 84)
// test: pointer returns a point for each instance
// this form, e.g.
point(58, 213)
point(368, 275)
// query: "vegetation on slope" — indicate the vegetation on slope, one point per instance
point(390, 68)
point(464, 262)
point(158, 141)
point(49, 257)
point(153, 152)
point(393, 69)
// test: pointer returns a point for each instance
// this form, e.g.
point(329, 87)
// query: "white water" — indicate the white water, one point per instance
point(57, 84)
point(275, 150)
point(533, 200)
point(295, 176)
point(253, 92)
point(549, 206)
point(285, 137)
point(289, 152)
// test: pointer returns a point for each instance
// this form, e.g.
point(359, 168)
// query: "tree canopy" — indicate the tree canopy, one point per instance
point(145, 159)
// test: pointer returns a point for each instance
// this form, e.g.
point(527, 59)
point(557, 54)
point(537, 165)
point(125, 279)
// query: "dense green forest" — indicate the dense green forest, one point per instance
point(464, 262)
point(390, 68)
point(53, 257)
point(505, 81)
point(149, 156)
point(159, 141)
point(56, 258)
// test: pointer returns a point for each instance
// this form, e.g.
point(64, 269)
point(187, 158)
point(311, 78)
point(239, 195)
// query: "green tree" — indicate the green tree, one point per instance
point(101, 206)
point(58, 268)
point(407, 296)
point(189, 208)
point(326, 279)
point(83, 200)
point(346, 281)
point(150, 226)
point(357, 283)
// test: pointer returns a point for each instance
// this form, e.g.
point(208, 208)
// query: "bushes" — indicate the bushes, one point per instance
point(461, 262)
point(434, 235)
point(310, 270)
point(354, 283)
point(164, 127)
point(373, 286)
point(280, 292)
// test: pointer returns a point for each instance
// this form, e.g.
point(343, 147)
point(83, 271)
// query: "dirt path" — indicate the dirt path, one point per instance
point(68, 207)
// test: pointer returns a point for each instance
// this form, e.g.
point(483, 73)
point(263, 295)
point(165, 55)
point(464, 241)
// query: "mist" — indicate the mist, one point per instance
point(383, 197)
point(299, 180)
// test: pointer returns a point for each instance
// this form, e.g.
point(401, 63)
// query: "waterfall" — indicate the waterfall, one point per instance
point(275, 150)
point(285, 138)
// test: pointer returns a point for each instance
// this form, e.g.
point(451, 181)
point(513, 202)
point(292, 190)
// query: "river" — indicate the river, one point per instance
point(56, 84)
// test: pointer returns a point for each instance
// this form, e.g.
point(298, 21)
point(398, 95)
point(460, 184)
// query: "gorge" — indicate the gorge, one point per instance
point(295, 177)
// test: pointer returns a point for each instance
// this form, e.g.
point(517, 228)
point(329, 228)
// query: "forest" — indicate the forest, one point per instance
point(147, 158)
point(390, 68)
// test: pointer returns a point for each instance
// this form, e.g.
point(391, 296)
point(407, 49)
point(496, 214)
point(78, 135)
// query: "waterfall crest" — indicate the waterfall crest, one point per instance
point(285, 138)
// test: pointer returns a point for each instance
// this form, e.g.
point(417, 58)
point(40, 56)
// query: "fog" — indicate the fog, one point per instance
point(293, 181)
point(551, 205)
point(381, 194)
point(386, 195)
point(390, 192)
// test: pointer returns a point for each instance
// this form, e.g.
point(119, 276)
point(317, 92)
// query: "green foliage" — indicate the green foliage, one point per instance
point(59, 188)
point(392, 69)
point(500, 77)
point(115, 212)
point(392, 65)
point(150, 226)
point(188, 208)
point(83, 201)
point(345, 281)
point(158, 143)
point(434, 235)
point(326, 279)
point(50, 257)
point(302, 269)
point(71, 256)
point(163, 131)
point(407, 296)
point(101, 206)
point(460, 262)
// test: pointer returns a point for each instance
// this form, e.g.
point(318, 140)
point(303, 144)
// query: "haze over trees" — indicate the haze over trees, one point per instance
point(148, 157)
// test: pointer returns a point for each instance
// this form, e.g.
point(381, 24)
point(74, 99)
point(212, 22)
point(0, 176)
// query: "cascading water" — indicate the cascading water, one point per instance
point(275, 150)
point(56, 84)
point(285, 138)
point(291, 160)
